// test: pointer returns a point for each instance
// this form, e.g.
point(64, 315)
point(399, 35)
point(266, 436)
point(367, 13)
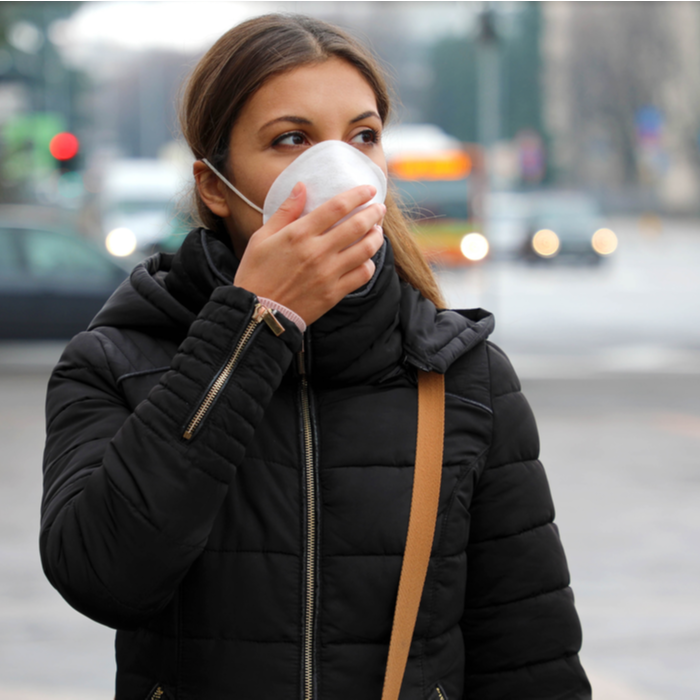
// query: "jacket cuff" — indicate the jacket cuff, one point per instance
point(288, 313)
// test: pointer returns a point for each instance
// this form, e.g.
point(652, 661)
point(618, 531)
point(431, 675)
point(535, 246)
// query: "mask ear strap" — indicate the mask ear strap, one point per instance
point(223, 179)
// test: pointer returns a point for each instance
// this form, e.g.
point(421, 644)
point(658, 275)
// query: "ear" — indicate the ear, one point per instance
point(211, 189)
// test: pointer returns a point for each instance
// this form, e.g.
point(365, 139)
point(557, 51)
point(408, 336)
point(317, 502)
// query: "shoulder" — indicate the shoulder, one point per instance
point(503, 378)
point(117, 351)
point(485, 376)
point(116, 361)
point(483, 373)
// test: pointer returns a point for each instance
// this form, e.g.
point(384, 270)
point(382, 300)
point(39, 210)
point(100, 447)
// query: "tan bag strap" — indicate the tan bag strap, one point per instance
point(421, 525)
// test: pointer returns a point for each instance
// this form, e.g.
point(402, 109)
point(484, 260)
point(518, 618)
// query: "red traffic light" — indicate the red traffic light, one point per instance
point(64, 146)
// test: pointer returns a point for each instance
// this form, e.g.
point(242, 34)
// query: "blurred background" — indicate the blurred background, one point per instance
point(549, 156)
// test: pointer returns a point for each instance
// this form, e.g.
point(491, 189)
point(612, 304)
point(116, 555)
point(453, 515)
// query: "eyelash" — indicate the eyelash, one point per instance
point(374, 134)
point(282, 137)
point(373, 140)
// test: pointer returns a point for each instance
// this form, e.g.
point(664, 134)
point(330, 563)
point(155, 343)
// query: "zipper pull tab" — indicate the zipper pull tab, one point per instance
point(262, 313)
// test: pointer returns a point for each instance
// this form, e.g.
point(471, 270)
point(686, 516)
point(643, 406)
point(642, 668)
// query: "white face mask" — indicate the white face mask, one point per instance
point(327, 169)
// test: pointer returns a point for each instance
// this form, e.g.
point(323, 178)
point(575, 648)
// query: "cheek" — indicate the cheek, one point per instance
point(259, 178)
point(378, 158)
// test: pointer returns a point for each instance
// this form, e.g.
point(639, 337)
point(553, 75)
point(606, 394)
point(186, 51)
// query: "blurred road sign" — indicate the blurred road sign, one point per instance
point(649, 122)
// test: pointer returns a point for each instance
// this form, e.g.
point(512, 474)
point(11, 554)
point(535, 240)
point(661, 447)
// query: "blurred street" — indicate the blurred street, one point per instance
point(637, 311)
point(609, 358)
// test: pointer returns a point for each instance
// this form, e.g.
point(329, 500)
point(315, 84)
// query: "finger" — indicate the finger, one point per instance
point(360, 251)
point(290, 210)
point(353, 229)
point(331, 212)
point(356, 278)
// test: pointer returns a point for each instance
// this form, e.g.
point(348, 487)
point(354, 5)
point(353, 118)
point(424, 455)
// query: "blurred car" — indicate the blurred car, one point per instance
point(567, 226)
point(138, 204)
point(548, 226)
point(52, 283)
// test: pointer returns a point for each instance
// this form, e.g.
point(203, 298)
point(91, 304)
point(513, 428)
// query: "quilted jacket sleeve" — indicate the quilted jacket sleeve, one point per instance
point(521, 631)
point(128, 503)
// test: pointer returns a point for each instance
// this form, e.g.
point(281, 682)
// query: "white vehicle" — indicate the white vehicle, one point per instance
point(403, 139)
point(138, 203)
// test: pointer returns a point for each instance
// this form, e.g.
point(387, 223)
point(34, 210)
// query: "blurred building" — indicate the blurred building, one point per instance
point(622, 100)
point(602, 96)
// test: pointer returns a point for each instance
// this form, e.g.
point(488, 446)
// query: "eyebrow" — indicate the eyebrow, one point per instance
point(302, 120)
point(287, 118)
point(364, 115)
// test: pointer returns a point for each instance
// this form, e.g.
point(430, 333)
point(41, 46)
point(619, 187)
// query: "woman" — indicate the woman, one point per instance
point(232, 495)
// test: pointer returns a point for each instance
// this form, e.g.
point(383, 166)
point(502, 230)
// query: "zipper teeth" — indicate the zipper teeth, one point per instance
point(221, 380)
point(310, 544)
point(439, 692)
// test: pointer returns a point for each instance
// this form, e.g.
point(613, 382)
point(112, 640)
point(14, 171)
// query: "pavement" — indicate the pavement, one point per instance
point(621, 456)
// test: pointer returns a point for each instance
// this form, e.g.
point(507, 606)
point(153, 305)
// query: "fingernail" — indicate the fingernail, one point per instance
point(372, 190)
point(296, 191)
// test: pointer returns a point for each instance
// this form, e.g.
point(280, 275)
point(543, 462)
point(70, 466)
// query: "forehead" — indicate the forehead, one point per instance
point(328, 89)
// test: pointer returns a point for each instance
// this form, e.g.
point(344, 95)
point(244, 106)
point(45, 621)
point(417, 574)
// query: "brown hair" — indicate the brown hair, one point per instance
point(238, 65)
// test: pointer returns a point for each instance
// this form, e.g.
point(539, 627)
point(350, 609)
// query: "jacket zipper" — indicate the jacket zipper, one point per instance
point(310, 534)
point(260, 314)
point(157, 693)
point(439, 692)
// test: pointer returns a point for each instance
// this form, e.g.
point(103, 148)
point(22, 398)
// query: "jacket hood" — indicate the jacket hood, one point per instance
point(434, 339)
point(167, 291)
point(142, 300)
point(364, 338)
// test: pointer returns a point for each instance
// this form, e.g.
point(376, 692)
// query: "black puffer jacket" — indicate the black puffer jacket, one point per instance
point(253, 550)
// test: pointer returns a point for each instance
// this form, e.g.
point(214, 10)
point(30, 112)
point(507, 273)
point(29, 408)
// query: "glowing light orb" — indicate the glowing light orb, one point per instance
point(474, 247)
point(121, 242)
point(545, 243)
point(604, 241)
point(64, 146)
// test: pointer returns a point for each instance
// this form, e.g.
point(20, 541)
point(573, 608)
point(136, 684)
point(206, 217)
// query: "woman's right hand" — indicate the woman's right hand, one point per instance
point(301, 264)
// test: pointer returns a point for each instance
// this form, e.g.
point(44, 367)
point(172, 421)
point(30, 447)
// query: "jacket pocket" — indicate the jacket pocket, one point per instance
point(437, 693)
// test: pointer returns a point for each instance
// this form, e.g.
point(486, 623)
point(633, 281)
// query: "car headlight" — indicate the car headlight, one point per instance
point(545, 243)
point(604, 241)
point(474, 247)
point(121, 242)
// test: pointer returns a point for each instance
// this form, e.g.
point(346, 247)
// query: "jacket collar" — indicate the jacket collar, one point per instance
point(365, 338)
point(359, 339)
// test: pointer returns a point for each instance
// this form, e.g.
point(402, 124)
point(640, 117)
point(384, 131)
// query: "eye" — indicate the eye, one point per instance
point(291, 138)
point(366, 137)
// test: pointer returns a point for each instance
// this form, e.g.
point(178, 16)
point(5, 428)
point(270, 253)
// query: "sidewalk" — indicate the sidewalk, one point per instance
point(605, 688)
point(29, 357)
point(45, 694)
point(620, 359)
